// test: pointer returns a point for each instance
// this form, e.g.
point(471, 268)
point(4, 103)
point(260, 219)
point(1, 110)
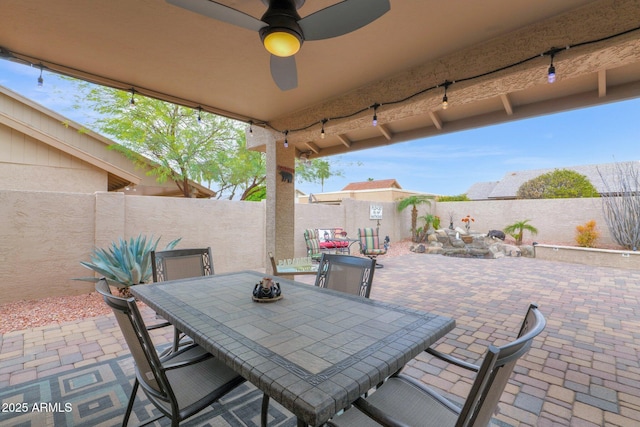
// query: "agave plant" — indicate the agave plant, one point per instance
point(125, 263)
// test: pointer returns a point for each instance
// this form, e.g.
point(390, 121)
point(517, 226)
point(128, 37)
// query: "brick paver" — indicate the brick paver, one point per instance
point(583, 370)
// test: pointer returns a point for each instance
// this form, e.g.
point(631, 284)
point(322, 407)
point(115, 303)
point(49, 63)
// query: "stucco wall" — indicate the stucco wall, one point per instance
point(45, 235)
point(555, 219)
point(234, 230)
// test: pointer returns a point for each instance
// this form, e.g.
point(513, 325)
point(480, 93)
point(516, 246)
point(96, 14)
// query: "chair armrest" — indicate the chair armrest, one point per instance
point(450, 359)
point(197, 359)
point(376, 414)
point(158, 326)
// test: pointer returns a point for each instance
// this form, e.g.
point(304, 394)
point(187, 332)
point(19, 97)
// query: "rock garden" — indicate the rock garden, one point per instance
point(468, 244)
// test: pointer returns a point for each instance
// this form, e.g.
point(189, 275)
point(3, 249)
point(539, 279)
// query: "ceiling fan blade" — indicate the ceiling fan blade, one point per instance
point(220, 12)
point(342, 18)
point(284, 72)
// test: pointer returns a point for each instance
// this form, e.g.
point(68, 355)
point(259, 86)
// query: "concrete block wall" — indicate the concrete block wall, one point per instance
point(45, 235)
point(555, 219)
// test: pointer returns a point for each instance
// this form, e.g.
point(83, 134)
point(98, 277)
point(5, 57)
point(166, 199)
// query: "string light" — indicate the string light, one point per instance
point(286, 142)
point(250, 127)
point(132, 103)
point(445, 99)
point(40, 79)
point(375, 114)
point(551, 74)
point(199, 115)
point(322, 131)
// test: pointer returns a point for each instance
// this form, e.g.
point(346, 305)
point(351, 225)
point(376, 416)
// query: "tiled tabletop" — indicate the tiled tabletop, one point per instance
point(314, 351)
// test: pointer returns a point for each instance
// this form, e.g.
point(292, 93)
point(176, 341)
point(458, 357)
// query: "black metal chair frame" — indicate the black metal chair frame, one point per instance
point(161, 273)
point(159, 268)
point(332, 262)
point(153, 369)
point(491, 379)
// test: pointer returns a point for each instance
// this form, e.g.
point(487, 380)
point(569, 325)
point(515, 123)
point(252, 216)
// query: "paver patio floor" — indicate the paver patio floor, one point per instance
point(582, 371)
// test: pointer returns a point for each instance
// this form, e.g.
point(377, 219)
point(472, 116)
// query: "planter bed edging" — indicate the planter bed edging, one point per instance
point(589, 256)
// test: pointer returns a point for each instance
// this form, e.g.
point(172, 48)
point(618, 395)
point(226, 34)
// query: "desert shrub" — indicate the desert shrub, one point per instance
point(586, 235)
point(457, 198)
point(621, 204)
point(559, 184)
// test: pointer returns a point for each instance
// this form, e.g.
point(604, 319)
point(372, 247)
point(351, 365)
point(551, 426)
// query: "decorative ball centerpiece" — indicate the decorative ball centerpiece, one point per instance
point(267, 290)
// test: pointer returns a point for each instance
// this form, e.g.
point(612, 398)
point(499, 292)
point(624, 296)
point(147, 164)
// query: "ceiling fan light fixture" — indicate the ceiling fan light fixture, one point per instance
point(282, 42)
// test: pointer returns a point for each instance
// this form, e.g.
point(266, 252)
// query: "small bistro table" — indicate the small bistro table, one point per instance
point(314, 351)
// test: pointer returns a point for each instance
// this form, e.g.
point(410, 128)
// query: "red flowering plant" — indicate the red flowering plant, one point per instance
point(467, 222)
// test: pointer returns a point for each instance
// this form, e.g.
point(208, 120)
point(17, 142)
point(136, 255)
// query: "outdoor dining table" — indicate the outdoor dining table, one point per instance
point(314, 351)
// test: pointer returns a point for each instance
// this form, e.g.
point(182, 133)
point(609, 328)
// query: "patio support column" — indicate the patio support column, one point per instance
point(280, 209)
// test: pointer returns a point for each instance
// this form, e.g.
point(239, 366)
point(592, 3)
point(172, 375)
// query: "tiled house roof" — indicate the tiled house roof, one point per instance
point(508, 186)
point(481, 190)
point(372, 185)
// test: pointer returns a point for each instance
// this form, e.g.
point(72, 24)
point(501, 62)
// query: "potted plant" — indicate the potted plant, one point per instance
point(126, 262)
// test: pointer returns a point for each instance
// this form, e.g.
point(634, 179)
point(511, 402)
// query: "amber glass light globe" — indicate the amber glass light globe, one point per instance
point(280, 43)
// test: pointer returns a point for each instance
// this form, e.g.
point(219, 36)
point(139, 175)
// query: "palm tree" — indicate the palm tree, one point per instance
point(516, 230)
point(414, 201)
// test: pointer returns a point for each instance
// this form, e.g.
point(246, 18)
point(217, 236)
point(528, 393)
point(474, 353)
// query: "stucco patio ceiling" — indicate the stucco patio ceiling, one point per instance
point(167, 52)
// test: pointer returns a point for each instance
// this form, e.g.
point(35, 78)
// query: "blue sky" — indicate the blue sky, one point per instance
point(447, 164)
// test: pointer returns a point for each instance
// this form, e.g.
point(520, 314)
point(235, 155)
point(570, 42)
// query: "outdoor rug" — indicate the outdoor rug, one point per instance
point(97, 395)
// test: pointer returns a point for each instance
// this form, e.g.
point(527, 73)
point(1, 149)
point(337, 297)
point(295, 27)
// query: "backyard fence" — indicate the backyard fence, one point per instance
point(45, 235)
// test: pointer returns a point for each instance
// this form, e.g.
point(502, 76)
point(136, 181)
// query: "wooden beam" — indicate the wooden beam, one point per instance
point(343, 138)
point(313, 147)
point(506, 102)
point(385, 131)
point(602, 83)
point(437, 121)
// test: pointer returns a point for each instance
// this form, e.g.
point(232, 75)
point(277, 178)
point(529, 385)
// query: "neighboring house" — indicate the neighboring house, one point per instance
point(508, 186)
point(384, 190)
point(41, 150)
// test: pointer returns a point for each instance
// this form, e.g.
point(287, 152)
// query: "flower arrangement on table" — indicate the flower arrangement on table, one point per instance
point(467, 222)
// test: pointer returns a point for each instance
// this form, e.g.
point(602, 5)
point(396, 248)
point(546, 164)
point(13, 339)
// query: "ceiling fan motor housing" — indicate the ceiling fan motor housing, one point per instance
point(282, 16)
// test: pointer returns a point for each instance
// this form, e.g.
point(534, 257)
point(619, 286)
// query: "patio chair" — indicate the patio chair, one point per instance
point(346, 273)
point(179, 384)
point(403, 401)
point(370, 244)
point(313, 244)
point(180, 264)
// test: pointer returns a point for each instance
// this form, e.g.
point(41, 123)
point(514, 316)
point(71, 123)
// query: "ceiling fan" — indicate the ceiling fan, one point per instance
point(283, 31)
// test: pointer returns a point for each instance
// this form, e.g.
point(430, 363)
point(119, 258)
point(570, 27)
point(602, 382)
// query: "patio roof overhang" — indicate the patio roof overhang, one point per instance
point(157, 49)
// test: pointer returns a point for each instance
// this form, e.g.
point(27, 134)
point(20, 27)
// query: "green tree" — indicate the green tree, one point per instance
point(183, 143)
point(317, 171)
point(236, 170)
point(517, 229)
point(558, 184)
point(414, 201)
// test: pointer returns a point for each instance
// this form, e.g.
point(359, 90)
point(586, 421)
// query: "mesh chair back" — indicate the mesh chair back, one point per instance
point(495, 371)
point(369, 242)
point(181, 264)
point(148, 366)
point(346, 273)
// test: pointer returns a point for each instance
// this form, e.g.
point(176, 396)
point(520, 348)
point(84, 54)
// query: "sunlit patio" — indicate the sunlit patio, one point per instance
point(582, 371)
